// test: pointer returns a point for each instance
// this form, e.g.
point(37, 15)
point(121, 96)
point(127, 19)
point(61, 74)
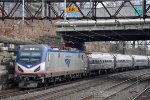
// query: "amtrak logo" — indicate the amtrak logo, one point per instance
point(67, 61)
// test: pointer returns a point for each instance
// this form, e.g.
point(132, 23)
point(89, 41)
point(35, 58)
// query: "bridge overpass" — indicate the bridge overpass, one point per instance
point(104, 30)
point(124, 21)
point(52, 9)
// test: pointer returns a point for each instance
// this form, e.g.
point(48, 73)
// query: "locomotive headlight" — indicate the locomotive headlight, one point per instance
point(37, 69)
point(20, 69)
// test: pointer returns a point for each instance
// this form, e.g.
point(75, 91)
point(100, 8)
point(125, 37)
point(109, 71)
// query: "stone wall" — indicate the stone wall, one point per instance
point(7, 66)
point(29, 31)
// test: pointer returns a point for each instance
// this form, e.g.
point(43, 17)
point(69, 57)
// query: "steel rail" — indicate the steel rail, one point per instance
point(59, 93)
point(138, 96)
point(116, 85)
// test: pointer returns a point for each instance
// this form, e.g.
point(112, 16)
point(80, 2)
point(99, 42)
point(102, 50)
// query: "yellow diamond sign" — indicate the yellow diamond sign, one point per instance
point(72, 9)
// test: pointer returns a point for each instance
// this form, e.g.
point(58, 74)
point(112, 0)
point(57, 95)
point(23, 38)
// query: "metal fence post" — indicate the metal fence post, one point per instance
point(137, 87)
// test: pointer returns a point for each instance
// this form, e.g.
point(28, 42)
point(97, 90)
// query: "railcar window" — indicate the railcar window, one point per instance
point(100, 61)
point(94, 61)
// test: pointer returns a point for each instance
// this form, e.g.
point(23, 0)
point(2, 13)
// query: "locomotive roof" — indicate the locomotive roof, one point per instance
point(50, 48)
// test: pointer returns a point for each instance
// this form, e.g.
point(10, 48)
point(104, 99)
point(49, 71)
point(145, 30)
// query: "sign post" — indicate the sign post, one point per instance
point(23, 12)
point(65, 14)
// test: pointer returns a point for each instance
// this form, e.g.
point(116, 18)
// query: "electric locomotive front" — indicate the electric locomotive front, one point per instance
point(30, 65)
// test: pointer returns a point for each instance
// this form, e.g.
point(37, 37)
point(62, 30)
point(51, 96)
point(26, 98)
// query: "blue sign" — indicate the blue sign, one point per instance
point(73, 14)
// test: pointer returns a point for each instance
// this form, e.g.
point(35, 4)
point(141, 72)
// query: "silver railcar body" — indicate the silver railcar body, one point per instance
point(101, 61)
point(123, 61)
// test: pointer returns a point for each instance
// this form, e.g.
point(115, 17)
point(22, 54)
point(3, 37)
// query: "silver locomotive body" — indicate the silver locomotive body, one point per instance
point(39, 64)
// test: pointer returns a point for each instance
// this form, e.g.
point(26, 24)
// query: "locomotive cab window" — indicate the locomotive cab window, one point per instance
point(30, 55)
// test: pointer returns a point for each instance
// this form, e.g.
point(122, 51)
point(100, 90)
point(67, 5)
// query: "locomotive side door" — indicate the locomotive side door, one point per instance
point(48, 61)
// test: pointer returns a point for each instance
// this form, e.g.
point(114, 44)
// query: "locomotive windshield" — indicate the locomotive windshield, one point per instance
point(30, 55)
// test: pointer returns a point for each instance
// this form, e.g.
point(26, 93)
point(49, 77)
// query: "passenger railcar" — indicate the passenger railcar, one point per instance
point(140, 61)
point(100, 61)
point(40, 64)
point(123, 61)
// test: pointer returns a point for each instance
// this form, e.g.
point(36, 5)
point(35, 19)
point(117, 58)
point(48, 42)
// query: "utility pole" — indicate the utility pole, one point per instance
point(124, 47)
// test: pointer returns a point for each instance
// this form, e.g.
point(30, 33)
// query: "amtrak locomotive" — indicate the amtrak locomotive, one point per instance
point(40, 64)
point(37, 64)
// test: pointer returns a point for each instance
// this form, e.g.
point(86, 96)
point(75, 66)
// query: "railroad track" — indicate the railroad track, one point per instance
point(142, 93)
point(65, 91)
point(62, 90)
point(111, 91)
point(15, 92)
